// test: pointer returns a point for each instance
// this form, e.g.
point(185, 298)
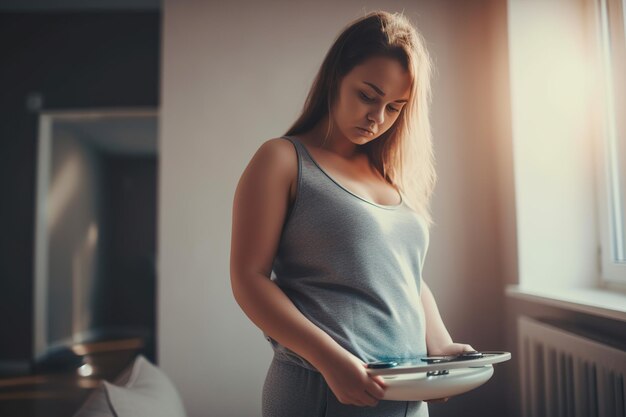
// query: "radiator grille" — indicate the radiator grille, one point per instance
point(563, 374)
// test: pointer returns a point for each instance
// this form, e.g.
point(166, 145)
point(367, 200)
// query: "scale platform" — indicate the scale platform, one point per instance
point(434, 377)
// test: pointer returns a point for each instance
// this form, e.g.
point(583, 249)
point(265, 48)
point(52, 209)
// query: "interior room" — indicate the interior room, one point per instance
point(126, 128)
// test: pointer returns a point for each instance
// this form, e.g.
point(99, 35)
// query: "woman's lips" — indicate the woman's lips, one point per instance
point(366, 131)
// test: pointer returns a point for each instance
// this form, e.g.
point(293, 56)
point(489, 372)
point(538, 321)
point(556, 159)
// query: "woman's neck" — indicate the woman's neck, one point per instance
point(336, 142)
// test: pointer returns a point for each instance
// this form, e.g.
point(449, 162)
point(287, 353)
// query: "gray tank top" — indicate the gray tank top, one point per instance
point(352, 267)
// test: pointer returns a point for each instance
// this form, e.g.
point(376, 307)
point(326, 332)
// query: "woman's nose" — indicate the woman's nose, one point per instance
point(377, 116)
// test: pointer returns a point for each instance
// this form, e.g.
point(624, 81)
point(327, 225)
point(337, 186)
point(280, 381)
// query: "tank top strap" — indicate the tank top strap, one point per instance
point(300, 149)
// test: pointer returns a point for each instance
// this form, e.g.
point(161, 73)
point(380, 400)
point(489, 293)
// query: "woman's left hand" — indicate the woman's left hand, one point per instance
point(451, 349)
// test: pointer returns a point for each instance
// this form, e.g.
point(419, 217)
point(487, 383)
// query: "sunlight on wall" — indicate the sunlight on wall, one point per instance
point(552, 70)
point(62, 188)
point(83, 274)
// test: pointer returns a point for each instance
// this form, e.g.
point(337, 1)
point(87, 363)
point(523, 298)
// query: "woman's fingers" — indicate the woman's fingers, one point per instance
point(350, 382)
point(375, 388)
point(361, 399)
point(379, 386)
point(370, 396)
point(462, 347)
point(453, 349)
point(373, 392)
point(367, 399)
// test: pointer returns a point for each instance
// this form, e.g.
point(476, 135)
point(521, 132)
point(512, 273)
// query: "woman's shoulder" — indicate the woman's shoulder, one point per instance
point(279, 151)
point(278, 144)
point(276, 160)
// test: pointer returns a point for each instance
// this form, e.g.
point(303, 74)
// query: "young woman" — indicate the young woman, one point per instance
point(331, 227)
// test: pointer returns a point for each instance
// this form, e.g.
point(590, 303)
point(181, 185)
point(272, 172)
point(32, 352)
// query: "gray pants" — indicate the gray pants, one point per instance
point(293, 391)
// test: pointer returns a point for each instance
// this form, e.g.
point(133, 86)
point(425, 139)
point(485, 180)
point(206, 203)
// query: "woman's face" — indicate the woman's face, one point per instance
point(371, 97)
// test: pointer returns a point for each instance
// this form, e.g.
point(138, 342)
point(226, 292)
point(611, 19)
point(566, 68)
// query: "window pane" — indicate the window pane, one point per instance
point(614, 51)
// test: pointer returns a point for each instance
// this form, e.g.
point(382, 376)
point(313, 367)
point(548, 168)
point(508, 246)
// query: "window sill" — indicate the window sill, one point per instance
point(592, 301)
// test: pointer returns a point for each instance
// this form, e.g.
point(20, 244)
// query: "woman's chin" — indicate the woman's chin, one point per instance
point(360, 139)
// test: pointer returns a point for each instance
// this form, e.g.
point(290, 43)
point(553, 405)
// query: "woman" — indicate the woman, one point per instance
point(330, 229)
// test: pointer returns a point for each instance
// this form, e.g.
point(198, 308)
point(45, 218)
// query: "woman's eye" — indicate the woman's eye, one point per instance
point(365, 97)
point(368, 99)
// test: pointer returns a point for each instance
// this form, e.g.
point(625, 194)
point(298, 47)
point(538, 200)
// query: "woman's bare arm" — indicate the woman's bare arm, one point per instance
point(259, 210)
point(438, 340)
point(260, 206)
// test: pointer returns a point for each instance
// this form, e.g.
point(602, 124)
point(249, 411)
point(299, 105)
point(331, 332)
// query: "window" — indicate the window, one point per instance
point(612, 156)
point(567, 123)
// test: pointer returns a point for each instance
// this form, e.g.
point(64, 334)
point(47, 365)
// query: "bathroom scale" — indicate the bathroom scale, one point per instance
point(434, 377)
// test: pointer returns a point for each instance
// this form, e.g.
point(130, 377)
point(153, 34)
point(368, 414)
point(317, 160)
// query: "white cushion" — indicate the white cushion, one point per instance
point(148, 392)
point(96, 405)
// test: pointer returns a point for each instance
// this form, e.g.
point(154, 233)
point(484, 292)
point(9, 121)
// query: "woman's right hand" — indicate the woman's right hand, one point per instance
point(348, 379)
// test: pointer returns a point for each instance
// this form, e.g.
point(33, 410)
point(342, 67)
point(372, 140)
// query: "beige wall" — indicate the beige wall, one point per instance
point(236, 74)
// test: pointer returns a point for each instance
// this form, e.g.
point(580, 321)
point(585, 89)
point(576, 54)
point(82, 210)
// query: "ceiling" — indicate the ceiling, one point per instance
point(77, 5)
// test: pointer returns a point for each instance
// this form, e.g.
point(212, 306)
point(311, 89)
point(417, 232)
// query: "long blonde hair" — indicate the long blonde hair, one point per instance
point(404, 153)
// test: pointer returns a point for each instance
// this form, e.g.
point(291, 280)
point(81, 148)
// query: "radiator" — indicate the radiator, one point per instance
point(563, 374)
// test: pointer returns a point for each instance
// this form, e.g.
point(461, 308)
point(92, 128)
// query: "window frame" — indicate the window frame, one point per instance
point(611, 200)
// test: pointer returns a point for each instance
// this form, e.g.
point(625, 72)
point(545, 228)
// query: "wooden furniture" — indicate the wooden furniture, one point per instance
point(61, 393)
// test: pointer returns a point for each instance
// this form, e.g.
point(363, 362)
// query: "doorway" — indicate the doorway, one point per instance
point(95, 230)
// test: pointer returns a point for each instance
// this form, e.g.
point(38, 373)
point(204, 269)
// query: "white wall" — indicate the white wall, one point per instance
point(236, 74)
